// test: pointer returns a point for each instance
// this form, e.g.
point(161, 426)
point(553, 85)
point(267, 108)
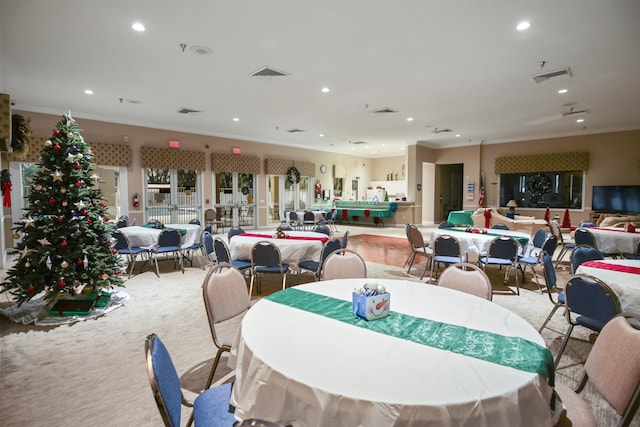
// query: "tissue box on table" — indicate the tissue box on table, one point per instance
point(371, 307)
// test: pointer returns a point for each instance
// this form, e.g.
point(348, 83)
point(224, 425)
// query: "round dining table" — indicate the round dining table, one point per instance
point(440, 358)
point(622, 275)
point(612, 240)
point(477, 240)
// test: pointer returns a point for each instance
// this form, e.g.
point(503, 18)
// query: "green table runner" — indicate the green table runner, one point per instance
point(521, 240)
point(182, 231)
point(514, 352)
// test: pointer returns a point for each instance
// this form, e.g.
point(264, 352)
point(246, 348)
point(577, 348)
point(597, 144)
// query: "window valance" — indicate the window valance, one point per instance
point(555, 162)
point(103, 154)
point(281, 166)
point(224, 162)
point(171, 158)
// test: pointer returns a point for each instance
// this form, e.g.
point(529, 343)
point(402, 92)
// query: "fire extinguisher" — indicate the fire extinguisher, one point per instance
point(136, 200)
point(318, 190)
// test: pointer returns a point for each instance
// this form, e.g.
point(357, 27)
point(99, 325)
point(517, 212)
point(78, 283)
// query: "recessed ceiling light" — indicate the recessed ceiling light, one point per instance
point(409, 119)
point(138, 26)
point(321, 135)
point(88, 91)
point(236, 119)
point(524, 25)
point(457, 135)
point(579, 120)
point(563, 91)
point(325, 90)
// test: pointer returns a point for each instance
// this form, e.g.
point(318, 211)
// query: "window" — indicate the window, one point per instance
point(542, 189)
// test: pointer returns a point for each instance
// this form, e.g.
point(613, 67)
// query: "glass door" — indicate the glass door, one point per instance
point(173, 196)
point(235, 202)
point(284, 196)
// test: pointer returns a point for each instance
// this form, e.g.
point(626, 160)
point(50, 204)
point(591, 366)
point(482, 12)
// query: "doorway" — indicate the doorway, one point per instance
point(449, 178)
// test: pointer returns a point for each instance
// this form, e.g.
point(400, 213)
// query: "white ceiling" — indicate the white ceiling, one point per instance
point(449, 64)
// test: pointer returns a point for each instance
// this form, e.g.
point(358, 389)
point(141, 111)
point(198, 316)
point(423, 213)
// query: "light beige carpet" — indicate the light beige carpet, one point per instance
point(93, 372)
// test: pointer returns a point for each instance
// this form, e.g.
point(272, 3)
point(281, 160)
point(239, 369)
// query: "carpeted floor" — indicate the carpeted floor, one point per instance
point(93, 372)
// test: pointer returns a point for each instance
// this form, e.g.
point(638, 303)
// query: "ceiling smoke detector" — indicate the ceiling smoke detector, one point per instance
point(269, 72)
point(561, 73)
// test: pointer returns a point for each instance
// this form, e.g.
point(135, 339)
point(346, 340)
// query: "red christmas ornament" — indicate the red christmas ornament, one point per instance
point(115, 251)
point(32, 288)
point(88, 221)
point(78, 166)
point(85, 212)
point(79, 261)
point(59, 219)
point(117, 272)
point(52, 200)
point(64, 244)
point(56, 132)
point(61, 283)
point(57, 147)
point(78, 183)
point(106, 219)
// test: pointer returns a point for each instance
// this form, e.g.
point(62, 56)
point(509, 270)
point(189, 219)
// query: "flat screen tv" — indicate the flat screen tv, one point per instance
point(616, 198)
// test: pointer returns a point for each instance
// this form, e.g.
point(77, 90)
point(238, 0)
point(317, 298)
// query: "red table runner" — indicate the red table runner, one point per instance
point(615, 267)
point(621, 230)
point(269, 236)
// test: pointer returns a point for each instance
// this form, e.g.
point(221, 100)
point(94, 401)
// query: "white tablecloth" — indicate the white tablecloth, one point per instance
point(310, 370)
point(610, 241)
point(145, 237)
point(479, 243)
point(293, 251)
point(625, 285)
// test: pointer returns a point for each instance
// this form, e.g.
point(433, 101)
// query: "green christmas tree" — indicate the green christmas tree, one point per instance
point(66, 242)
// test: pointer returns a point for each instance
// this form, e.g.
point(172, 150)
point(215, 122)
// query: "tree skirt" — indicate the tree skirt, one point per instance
point(37, 311)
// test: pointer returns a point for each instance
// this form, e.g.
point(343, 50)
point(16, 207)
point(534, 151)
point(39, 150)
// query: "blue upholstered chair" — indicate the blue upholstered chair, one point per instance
point(223, 255)
point(582, 254)
point(124, 248)
point(551, 281)
point(446, 250)
point(266, 259)
point(210, 408)
point(316, 266)
point(503, 251)
point(169, 242)
point(549, 246)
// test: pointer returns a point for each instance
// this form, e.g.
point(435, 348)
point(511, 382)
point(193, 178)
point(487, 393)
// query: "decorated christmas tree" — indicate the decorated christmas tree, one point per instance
point(66, 242)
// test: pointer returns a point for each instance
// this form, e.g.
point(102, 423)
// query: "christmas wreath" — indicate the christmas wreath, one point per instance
point(20, 130)
point(293, 175)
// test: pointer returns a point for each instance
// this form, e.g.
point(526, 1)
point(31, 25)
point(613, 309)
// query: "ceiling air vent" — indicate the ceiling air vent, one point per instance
point(573, 112)
point(438, 130)
point(185, 110)
point(269, 72)
point(294, 130)
point(383, 110)
point(357, 142)
point(563, 72)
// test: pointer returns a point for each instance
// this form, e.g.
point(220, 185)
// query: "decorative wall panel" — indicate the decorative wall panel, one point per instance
point(171, 158)
point(5, 117)
point(555, 162)
point(281, 166)
point(339, 171)
point(103, 154)
point(224, 162)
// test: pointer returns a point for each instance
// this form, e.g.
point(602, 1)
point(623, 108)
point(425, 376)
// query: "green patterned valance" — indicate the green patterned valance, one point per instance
point(555, 162)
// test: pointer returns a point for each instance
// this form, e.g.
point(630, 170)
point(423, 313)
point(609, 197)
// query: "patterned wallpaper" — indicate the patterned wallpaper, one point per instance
point(281, 166)
point(5, 117)
point(224, 162)
point(103, 154)
point(171, 158)
point(578, 161)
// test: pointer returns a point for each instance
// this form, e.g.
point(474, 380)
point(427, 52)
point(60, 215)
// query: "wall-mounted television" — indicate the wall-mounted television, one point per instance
point(616, 198)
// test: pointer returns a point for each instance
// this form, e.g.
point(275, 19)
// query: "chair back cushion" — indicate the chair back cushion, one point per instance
point(344, 264)
point(225, 293)
point(169, 237)
point(582, 254)
point(415, 237)
point(504, 247)
point(164, 380)
point(584, 237)
point(550, 244)
point(446, 245)
point(265, 254)
point(467, 278)
point(207, 242)
point(234, 231)
point(549, 271)
point(539, 237)
point(592, 298)
point(222, 250)
point(613, 365)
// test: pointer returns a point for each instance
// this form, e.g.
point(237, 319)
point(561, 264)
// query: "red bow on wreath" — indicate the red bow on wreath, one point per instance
point(5, 180)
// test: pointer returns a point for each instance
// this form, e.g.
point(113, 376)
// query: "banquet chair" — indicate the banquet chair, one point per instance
point(153, 223)
point(468, 278)
point(169, 242)
point(308, 220)
point(210, 408)
point(589, 302)
point(331, 220)
point(344, 264)
point(418, 247)
point(293, 220)
point(123, 247)
point(224, 256)
point(194, 221)
point(582, 254)
point(322, 229)
point(446, 224)
point(539, 238)
point(123, 221)
point(587, 224)
point(234, 231)
point(446, 250)
point(503, 251)
point(613, 367)
point(226, 301)
point(345, 239)
point(266, 259)
point(207, 246)
point(316, 266)
point(549, 246)
point(583, 237)
point(285, 227)
point(565, 245)
point(551, 281)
